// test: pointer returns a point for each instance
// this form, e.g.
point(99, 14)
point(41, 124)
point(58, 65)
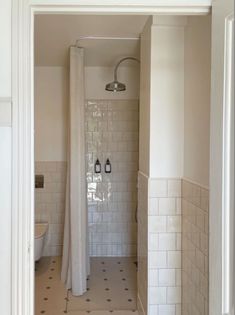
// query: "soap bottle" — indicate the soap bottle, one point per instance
point(108, 166)
point(97, 166)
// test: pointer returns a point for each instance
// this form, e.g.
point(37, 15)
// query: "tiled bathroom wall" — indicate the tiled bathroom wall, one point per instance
point(50, 204)
point(142, 243)
point(112, 132)
point(164, 247)
point(195, 244)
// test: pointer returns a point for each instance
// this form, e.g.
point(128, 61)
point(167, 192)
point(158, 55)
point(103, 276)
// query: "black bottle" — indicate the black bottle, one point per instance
point(108, 168)
point(97, 166)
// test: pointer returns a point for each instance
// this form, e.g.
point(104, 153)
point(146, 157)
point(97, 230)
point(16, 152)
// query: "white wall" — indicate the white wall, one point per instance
point(97, 77)
point(145, 70)
point(167, 99)
point(197, 99)
point(51, 113)
point(5, 48)
point(5, 156)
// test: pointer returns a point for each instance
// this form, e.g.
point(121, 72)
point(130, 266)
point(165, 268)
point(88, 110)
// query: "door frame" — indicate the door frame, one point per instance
point(23, 12)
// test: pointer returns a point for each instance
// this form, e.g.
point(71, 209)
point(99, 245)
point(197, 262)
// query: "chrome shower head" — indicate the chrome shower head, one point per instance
point(116, 86)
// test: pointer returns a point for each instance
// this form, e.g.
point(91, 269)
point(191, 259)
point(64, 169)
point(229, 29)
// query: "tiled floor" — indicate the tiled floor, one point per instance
point(111, 288)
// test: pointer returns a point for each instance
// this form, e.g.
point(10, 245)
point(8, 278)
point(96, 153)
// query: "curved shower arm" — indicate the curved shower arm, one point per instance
point(120, 61)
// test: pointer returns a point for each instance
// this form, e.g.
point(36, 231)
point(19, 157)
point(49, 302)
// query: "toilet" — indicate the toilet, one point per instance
point(39, 239)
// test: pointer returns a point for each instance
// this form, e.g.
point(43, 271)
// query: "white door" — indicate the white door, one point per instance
point(222, 161)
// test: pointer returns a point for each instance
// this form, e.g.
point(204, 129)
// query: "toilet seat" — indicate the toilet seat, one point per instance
point(40, 229)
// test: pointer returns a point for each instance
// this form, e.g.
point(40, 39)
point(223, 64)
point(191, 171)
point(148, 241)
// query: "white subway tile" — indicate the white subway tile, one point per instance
point(153, 277)
point(158, 188)
point(166, 310)
point(153, 206)
point(167, 277)
point(167, 241)
point(174, 259)
point(153, 310)
point(157, 224)
point(153, 242)
point(158, 259)
point(167, 206)
point(174, 188)
point(174, 224)
point(157, 295)
point(174, 295)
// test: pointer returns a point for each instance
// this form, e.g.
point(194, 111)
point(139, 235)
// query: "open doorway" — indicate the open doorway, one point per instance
point(111, 144)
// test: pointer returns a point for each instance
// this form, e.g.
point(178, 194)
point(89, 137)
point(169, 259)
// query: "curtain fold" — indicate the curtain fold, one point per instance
point(75, 260)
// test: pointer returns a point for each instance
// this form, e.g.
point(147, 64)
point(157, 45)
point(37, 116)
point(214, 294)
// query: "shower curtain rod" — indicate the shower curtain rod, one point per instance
point(105, 38)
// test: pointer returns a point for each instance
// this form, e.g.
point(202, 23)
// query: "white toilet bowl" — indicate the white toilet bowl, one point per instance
point(39, 239)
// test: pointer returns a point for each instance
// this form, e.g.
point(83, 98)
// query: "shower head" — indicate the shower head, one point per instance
point(116, 86)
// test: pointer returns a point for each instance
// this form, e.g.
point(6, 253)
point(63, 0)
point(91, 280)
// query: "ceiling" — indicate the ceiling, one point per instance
point(55, 33)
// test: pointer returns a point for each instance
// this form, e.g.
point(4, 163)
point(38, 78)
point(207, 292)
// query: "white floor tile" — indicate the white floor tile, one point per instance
point(111, 288)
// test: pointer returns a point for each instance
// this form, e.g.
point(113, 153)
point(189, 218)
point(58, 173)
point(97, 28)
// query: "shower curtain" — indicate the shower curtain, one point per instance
point(75, 261)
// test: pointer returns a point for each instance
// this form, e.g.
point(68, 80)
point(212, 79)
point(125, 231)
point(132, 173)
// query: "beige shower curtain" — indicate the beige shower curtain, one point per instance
point(75, 261)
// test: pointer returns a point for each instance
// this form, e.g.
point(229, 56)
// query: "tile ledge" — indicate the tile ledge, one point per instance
point(195, 183)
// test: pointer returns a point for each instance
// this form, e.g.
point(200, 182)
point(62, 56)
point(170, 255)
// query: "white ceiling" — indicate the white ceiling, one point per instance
point(55, 33)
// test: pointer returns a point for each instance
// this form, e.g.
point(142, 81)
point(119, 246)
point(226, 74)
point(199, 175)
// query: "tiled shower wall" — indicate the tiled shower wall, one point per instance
point(112, 132)
point(50, 204)
point(195, 244)
point(164, 247)
point(142, 243)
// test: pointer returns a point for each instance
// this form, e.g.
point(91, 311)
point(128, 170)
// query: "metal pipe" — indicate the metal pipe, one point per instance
point(105, 38)
point(119, 62)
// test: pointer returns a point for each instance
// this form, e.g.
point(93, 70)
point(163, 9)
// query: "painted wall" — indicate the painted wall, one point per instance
point(197, 99)
point(5, 156)
point(145, 70)
point(51, 113)
point(167, 98)
point(5, 48)
point(97, 77)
